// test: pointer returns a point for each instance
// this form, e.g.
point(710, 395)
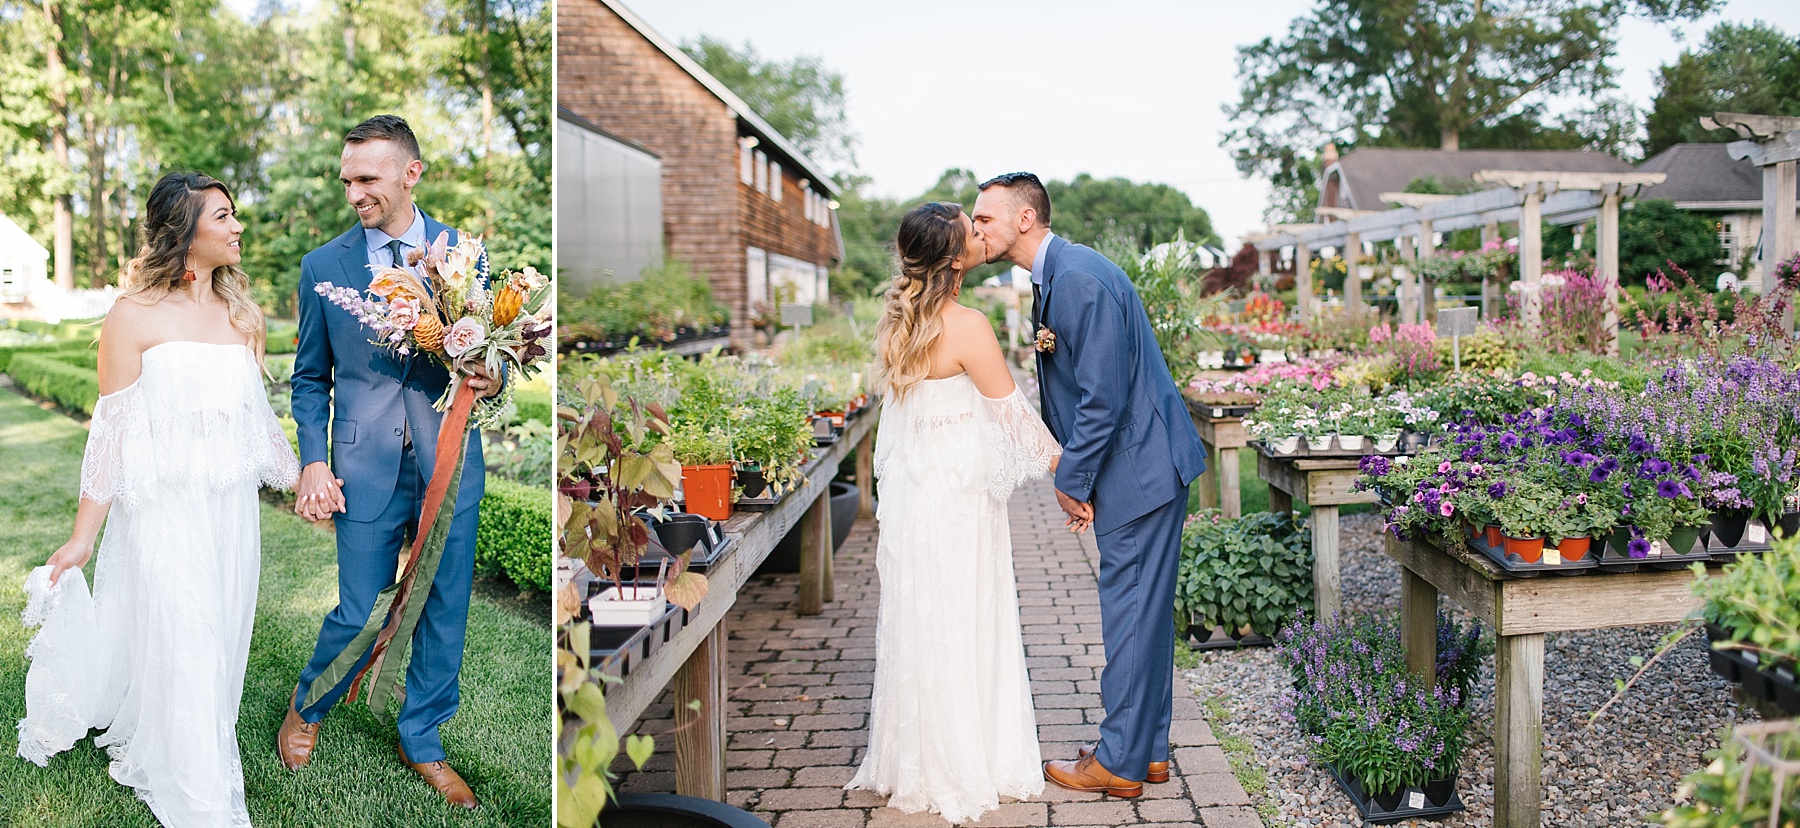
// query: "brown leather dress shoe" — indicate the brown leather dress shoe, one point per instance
point(295, 740)
point(1086, 774)
point(446, 780)
point(1159, 771)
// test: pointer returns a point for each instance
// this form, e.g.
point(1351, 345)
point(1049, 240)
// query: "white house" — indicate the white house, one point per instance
point(24, 264)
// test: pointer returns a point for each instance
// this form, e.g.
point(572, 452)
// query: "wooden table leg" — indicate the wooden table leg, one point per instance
point(1209, 479)
point(815, 555)
point(865, 476)
point(1325, 561)
point(1230, 484)
point(1418, 625)
point(700, 732)
point(1518, 731)
point(1279, 501)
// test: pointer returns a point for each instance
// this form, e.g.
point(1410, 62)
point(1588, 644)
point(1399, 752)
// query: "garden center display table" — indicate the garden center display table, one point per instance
point(1324, 484)
point(1222, 430)
point(1520, 610)
point(687, 649)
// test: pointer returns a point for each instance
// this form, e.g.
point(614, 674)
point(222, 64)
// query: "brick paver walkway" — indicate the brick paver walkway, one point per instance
point(800, 697)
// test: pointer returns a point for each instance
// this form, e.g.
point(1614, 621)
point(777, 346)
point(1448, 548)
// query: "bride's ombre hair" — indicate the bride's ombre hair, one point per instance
point(930, 238)
point(171, 218)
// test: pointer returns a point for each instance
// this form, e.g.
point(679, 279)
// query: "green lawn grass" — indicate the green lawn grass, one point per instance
point(499, 740)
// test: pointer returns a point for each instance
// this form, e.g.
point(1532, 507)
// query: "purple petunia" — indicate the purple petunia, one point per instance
point(1670, 489)
point(1599, 474)
point(1498, 490)
point(1638, 548)
point(1638, 445)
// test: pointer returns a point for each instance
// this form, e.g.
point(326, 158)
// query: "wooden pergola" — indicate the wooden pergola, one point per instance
point(1771, 142)
point(1525, 197)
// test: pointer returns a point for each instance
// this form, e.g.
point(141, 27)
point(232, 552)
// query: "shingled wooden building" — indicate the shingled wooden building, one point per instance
point(739, 202)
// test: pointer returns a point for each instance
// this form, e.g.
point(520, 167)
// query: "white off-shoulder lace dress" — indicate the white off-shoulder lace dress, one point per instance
point(156, 657)
point(951, 726)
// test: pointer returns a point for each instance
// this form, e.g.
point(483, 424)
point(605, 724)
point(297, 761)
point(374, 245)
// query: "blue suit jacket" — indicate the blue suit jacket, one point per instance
point(365, 393)
point(1128, 443)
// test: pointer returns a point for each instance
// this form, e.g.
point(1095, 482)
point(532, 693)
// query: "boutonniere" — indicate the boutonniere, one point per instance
point(1046, 340)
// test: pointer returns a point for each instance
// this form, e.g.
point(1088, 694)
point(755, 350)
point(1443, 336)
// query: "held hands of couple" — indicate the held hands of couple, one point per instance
point(319, 494)
point(1081, 515)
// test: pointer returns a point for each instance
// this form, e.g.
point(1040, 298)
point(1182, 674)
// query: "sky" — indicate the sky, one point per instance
point(1130, 88)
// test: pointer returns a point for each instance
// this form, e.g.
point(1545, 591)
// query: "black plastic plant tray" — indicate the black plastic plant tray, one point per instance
point(820, 442)
point(1216, 638)
point(1745, 546)
point(1377, 814)
point(1612, 561)
point(1522, 569)
point(702, 560)
point(1743, 667)
point(755, 504)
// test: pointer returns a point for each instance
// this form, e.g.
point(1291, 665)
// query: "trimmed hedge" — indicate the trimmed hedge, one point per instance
point(280, 337)
point(47, 377)
point(533, 403)
point(514, 538)
point(8, 354)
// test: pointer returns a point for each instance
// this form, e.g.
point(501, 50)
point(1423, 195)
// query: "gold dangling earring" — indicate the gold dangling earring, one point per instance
point(189, 275)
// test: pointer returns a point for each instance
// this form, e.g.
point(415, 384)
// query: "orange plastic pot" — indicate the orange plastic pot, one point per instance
point(708, 490)
point(1573, 549)
point(1494, 538)
point(1529, 550)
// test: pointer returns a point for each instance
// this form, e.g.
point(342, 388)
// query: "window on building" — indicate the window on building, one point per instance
point(762, 173)
point(746, 162)
point(774, 181)
point(1727, 230)
point(806, 203)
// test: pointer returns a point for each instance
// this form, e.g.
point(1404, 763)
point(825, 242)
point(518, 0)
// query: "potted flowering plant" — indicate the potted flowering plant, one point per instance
point(1274, 424)
point(1392, 743)
point(1524, 512)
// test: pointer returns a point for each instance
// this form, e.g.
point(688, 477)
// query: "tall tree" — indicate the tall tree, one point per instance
point(1751, 67)
point(1422, 73)
point(800, 97)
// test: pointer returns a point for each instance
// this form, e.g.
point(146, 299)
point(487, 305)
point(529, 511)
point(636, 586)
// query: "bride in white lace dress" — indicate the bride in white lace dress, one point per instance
point(951, 725)
point(181, 438)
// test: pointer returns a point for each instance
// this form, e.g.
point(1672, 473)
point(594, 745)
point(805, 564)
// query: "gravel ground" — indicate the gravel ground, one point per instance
point(1625, 767)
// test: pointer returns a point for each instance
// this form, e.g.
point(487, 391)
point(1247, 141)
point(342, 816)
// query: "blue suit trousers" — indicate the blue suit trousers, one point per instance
point(1138, 565)
point(369, 555)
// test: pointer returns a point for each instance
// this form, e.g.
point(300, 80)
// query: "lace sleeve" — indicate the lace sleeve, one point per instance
point(885, 438)
point(1021, 443)
point(280, 468)
point(120, 425)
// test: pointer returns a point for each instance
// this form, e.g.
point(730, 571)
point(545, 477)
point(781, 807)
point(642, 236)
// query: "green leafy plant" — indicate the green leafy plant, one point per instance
point(1252, 572)
point(699, 445)
point(1756, 599)
point(1740, 787)
point(586, 741)
point(514, 536)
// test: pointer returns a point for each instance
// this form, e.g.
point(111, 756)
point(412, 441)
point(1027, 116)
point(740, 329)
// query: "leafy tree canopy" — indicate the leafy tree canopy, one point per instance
point(1428, 73)
point(1753, 68)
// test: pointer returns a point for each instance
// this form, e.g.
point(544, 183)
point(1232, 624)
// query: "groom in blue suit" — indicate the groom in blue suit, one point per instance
point(382, 440)
point(1129, 452)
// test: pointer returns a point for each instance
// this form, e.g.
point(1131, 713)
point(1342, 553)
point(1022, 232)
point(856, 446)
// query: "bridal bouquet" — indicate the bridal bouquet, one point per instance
point(463, 316)
point(459, 314)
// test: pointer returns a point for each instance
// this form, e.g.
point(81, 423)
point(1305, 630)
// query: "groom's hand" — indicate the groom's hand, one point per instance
point(483, 382)
point(1081, 515)
point(319, 494)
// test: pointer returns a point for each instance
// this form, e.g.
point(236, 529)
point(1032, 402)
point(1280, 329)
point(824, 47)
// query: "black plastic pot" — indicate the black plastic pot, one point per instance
point(785, 557)
point(844, 501)
point(640, 810)
point(753, 481)
point(1728, 525)
point(1436, 800)
point(1789, 524)
point(682, 532)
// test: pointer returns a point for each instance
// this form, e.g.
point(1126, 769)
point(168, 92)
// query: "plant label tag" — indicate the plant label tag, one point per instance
point(1661, 548)
point(1415, 799)
point(1458, 321)
point(1218, 413)
point(1758, 534)
point(1552, 556)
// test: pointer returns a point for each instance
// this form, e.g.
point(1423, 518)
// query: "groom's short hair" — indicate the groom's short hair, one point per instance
point(386, 128)
point(1028, 189)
